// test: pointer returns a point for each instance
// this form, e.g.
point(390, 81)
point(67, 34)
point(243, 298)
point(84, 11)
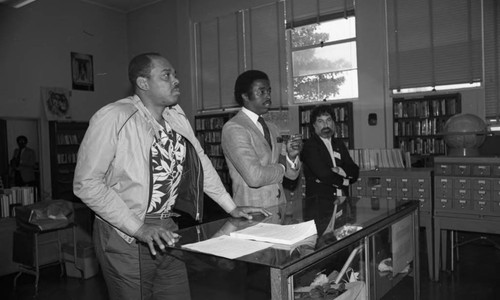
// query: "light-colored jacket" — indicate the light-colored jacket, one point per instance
point(112, 174)
point(255, 169)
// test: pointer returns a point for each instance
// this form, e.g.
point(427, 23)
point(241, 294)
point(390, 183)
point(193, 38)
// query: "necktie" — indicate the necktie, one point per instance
point(267, 135)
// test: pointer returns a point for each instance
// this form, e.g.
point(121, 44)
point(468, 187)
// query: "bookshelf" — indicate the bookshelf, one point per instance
point(65, 139)
point(343, 117)
point(418, 123)
point(208, 129)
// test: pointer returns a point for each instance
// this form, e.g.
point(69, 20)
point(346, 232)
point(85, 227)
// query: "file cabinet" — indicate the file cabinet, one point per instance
point(467, 198)
point(402, 184)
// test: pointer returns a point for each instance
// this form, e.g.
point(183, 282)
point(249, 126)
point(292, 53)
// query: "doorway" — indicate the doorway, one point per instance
point(10, 129)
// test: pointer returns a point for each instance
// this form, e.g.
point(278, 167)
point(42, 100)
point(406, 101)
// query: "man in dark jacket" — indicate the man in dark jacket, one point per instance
point(328, 167)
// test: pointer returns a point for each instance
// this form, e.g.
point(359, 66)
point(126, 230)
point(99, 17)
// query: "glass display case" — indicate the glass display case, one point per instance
point(365, 248)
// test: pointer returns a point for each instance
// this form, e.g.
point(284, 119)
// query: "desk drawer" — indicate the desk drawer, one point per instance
point(482, 206)
point(425, 204)
point(440, 182)
point(421, 193)
point(481, 184)
point(443, 169)
point(388, 192)
point(404, 193)
point(461, 170)
point(461, 194)
point(481, 195)
point(481, 170)
point(443, 192)
point(404, 183)
point(373, 191)
point(443, 204)
point(461, 183)
point(463, 205)
point(388, 182)
point(422, 183)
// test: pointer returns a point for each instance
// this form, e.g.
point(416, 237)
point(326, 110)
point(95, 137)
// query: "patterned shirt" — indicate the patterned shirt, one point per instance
point(167, 156)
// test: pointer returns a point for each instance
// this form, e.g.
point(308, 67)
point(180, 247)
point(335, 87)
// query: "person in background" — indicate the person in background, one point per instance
point(250, 144)
point(23, 164)
point(328, 167)
point(138, 161)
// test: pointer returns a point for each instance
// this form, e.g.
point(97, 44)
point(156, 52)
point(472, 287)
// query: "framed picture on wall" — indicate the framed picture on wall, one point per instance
point(82, 71)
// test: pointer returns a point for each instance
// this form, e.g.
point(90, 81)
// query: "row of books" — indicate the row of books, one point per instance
point(209, 136)
point(218, 162)
point(16, 196)
point(341, 114)
point(67, 158)
point(419, 127)
point(213, 150)
point(425, 109)
point(67, 139)
point(373, 159)
point(341, 131)
point(209, 123)
point(423, 146)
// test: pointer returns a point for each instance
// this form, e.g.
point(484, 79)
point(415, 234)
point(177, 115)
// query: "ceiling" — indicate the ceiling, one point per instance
point(122, 5)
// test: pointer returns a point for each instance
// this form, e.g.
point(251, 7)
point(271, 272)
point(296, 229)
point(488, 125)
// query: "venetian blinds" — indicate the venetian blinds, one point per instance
point(492, 58)
point(434, 42)
point(304, 12)
point(252, 38)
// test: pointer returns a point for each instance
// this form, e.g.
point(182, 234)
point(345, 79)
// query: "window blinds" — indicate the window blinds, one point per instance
point(304, 12)
point(491, 58)
point(434, 42)
point(252, 38)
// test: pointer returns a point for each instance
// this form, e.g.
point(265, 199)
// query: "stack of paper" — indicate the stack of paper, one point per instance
point(277, 234)
point(256, 238)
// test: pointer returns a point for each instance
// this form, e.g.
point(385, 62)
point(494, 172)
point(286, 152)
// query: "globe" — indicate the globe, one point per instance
point(464, 134)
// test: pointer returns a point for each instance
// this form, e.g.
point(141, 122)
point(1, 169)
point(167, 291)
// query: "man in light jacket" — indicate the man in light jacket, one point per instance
point(138, 160)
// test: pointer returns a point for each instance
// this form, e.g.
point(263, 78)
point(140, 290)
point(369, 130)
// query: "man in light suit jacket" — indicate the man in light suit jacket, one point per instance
point(255, 163)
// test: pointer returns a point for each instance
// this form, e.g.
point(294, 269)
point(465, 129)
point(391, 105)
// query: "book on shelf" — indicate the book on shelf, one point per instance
point(277, 234)
point(371, 159)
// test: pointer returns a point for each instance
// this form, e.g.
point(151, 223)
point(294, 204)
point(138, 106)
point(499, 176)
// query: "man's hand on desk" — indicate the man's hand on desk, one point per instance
point(245, 211)
point(151, 234)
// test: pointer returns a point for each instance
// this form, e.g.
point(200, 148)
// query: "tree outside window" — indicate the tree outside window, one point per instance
point(324, 64)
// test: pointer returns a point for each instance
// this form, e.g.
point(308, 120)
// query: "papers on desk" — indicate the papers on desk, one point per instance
point(277, 234)
point(227, 246)
point(255, 238)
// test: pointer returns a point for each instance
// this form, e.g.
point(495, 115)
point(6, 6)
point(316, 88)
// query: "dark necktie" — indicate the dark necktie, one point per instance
point(267, 135)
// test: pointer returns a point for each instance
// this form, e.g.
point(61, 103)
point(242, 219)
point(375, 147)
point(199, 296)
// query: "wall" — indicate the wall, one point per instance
point(36, 41)
point(374, 96)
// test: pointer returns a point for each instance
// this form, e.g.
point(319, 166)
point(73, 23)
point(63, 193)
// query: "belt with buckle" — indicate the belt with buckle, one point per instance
point(163, 215)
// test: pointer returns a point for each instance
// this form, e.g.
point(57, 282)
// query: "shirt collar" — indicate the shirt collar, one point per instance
point(328, 140)
point(253, 116)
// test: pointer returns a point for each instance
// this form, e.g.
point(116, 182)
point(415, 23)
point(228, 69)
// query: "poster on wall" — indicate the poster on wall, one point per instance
point(82, 71)
point(56, 102)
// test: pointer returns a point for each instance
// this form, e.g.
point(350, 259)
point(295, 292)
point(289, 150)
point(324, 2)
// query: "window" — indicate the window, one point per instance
point(323, 64)
point(434, 44)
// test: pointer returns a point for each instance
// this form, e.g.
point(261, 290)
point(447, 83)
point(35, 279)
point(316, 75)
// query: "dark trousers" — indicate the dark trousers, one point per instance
point(131, 272)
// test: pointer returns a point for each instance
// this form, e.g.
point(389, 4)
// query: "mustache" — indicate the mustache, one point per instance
point(326, 130)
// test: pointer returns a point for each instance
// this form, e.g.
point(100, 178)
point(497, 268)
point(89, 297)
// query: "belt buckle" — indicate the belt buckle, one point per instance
point(164, 215)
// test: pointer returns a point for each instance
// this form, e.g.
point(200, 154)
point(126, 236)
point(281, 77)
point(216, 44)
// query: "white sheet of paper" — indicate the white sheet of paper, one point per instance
point(279, 234)
point(228, 247)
